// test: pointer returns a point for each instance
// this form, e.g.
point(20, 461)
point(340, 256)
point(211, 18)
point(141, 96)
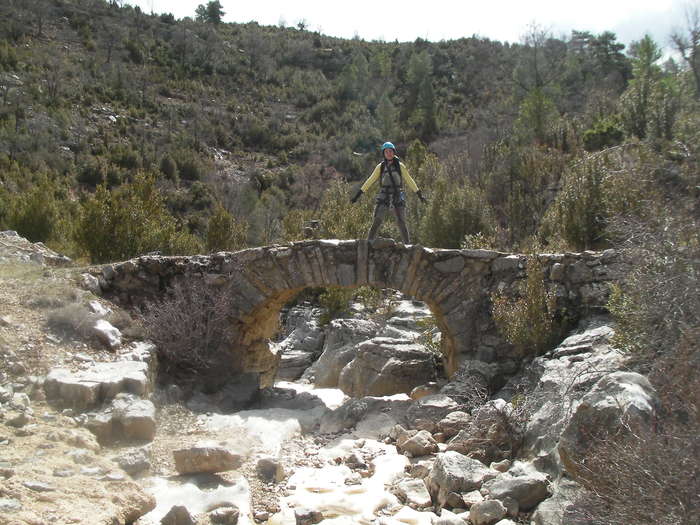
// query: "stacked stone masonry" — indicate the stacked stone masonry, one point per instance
point(456, 285)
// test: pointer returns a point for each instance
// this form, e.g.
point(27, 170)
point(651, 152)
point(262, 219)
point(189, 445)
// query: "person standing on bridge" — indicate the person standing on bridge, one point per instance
point(391, 174)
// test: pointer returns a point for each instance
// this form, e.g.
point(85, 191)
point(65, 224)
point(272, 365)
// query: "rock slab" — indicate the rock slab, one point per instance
point(205, 457)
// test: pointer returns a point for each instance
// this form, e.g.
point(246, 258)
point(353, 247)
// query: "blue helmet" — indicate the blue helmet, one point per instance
point(388, 145)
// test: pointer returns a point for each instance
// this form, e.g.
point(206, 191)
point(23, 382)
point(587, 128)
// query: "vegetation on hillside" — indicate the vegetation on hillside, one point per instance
point(261, 128)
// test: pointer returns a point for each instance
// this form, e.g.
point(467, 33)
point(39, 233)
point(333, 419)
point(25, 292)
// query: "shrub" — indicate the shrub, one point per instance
point(189, 165)
point(650, 475)
point(528, 321)
point(224, 232)
point(294, 225)
point(72, 320)
point(8, 56)
point(341, 219)
point(35, 213)
point(605, 132)
point(660, 297)
point(135, 51)
point(335, 303)
point(129, 221)
point(189, 329)
point(454, 211)
point(168, 167)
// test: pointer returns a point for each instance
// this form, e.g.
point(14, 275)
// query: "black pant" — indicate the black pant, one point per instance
point(380, 211)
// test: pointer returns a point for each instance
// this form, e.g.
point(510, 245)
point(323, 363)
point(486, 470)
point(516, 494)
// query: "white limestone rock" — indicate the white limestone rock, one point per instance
point(207, 457)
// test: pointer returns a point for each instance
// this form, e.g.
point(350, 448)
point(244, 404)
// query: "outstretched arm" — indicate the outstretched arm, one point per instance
point(372, 178)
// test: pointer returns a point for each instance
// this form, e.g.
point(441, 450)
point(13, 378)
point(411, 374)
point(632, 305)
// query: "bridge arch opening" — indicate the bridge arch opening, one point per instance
point(268, 279)
point(364, 341)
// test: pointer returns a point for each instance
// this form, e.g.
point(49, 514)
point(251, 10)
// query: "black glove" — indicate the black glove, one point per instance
point(422, 197)
point(354, 198)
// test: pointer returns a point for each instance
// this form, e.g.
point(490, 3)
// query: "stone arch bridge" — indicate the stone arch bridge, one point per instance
point(456, 285)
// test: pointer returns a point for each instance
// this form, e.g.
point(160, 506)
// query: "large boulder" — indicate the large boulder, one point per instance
point(418, 444)
point(414, 493)
point(428, 411)
point(101, 382)
point(136, 417)
point(556, 384)
point(487, 512)
point(107, 334)
point(559, 509)
point(408, 320)
point(354, 412)
point(178, 515)
point(303, 342)
point(528, 491)
point(127, 417)
point(339, 348)
point(616, 399)
point(385, 366)
point(206, 457)
point(453, 472)
point(453, 423)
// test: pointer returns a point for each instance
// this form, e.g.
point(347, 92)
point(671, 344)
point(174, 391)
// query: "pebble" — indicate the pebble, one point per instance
point(227, 515)
point(80, 456)
point(18, 420)
point(18, 369)
point(63, 473)
point(91, 471)
point(38, 486)
point(114, 476)
point(10, 505)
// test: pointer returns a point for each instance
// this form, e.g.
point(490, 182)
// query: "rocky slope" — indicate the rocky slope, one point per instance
point(86, 436)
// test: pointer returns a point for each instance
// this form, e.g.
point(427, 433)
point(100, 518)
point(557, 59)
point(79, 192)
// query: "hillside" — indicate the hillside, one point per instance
point(253, 130)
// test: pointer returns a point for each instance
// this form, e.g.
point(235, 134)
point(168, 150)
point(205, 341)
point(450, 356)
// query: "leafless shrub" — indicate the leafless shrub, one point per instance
point(660, 298)
point(129, 327)
point(651, 475)
point(189, 329)
point(73, 319)
point(51, 296)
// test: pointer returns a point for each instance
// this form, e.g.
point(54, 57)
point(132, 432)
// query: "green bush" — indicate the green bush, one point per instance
point(455, 210)
point(528, 321)
point(605, 132)
point(168, 167)
point(225, 232)
point(598, 188)
point(129, 221)
point(189, 165)
point(35, 213)
point(578, 215)
point(341, 219)
point(335, 303)
point(8, 56)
